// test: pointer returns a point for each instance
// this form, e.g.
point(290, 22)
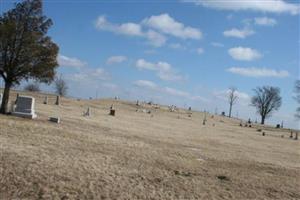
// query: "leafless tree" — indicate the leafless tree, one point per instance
point(297, 98)
point(266, 100)
point(232, 98)
point(61, 87)
point(32, 87)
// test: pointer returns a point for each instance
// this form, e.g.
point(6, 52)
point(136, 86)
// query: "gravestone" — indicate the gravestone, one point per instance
point(112, 111)
point(54, 119)
point(25, 107)
point(57, 102)
point(46, 100)
point(17, 98)
point(296, 136)
point(88, 112)
point(0, 99)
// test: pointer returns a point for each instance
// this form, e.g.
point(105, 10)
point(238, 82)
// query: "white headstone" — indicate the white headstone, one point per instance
point(0, 99)
point(25, 107)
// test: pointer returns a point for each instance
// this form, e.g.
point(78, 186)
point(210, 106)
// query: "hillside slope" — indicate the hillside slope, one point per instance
point(136, 155)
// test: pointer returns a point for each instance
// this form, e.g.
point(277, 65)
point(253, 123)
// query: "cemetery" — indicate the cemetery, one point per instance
point(67, 152)
point(128, 100)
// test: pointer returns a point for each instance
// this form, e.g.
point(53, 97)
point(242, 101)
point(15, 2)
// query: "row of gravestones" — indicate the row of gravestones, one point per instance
point(24, 106)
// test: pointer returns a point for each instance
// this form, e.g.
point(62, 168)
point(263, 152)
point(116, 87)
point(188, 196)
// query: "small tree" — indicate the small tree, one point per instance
point(32, 87)
point(232, 98)
point(61, 87)
point(297, 98)
point(266, 100)
point(26, 51)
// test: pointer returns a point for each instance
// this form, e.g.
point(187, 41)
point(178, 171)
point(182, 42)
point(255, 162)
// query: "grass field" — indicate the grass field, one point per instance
point(135, 155)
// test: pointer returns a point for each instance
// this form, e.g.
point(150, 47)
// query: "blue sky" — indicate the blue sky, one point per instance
point(178, 52)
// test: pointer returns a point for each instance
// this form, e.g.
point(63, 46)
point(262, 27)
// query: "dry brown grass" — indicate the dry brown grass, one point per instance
point(136, 156)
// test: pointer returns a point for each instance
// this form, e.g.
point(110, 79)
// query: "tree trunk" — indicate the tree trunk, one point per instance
point(5, 98)
point(263, 119)
point(230, 108)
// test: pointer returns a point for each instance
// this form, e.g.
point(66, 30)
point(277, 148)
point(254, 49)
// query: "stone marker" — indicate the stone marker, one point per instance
point(296, 137)
point(88, 112)
point(17, 98)
point(54, 119)
point(112, 111)
point(25, 107)
point(46, 100)
point(0, 99)
point(263, 133)
point(291, 136)
point(57, 102)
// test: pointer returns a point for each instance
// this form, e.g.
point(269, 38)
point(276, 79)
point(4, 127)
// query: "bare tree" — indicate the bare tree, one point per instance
point(61, 87)
point(32, 87)
point(266, 100)
point(297, 98)
point(232, 98)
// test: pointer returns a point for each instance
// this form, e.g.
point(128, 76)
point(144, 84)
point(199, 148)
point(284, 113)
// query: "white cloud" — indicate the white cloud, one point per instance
point(145, 84)
point(200, 51)
point(265, 21)
point(244, 53)
point(272, 6)
point(166, 24)
point(176, 46)
point(175, 92)
point(154, 29)
point(155, 39)
point(70, 62)
point(89, 76)
point(217, 44)
point(116, 59)
point(238, 33)
point(164, 70)
point(258, 72)
point(131, 29)
point(143, 64)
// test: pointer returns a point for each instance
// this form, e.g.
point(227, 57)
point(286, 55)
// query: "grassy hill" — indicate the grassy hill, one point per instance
point(136, 155)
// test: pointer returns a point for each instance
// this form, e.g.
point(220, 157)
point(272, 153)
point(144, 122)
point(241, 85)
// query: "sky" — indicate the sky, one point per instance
point(186, 53)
